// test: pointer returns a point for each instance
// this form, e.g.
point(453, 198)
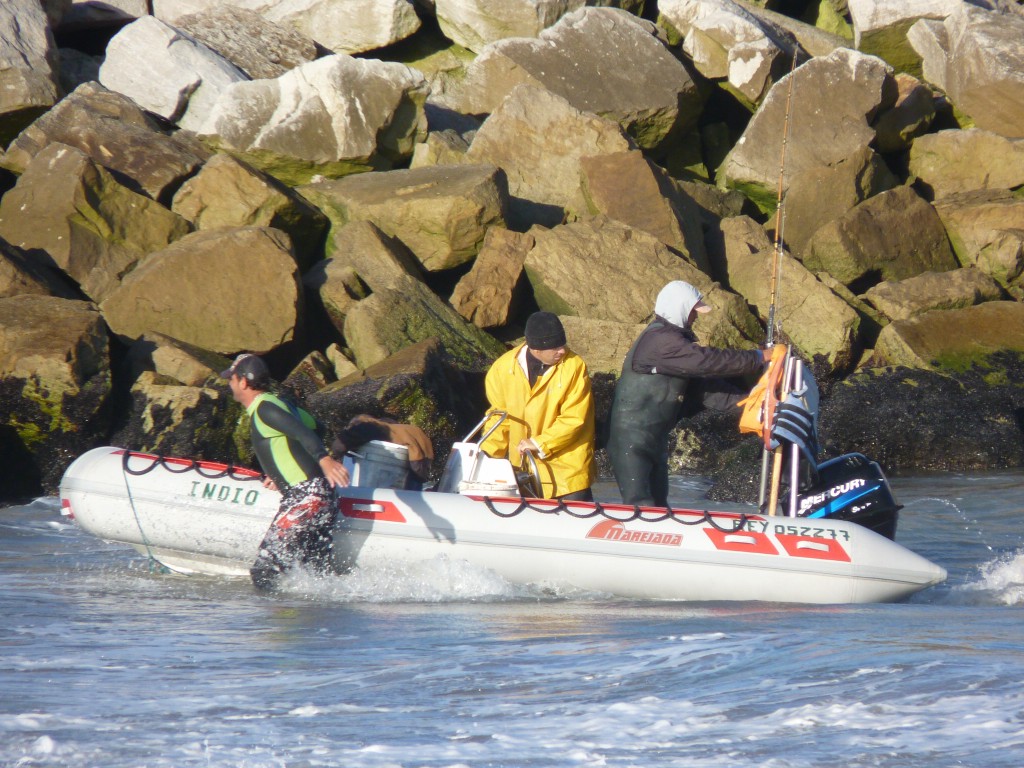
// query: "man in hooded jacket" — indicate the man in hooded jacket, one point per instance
point(667, 373)
point(545, 389)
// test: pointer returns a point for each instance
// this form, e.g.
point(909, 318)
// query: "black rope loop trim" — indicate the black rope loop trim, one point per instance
point(186, 465)
point(700, 518)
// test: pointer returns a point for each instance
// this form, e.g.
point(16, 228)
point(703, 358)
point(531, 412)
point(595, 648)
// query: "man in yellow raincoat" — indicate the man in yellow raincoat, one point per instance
point(545, 389)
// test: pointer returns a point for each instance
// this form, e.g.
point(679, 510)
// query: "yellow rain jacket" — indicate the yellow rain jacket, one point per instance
point(557, 413)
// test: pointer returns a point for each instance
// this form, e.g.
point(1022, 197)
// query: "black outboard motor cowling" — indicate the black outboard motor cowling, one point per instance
point(852, 487)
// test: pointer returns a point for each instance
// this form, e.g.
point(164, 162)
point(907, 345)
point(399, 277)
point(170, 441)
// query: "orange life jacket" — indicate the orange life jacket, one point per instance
point(759, 406)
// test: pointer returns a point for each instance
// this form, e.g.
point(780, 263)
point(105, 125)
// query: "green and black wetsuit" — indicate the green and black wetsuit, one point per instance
point(289, 449)
point(285, 440)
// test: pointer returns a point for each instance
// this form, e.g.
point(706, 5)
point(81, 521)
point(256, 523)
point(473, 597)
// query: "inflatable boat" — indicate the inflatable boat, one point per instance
point(202, 517)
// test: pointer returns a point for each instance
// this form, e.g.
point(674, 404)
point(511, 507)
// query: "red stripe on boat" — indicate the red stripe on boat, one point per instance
point(367, 509)
point(741, 541)
point(813, 548)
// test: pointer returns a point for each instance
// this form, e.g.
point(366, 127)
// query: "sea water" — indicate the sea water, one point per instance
point(108, 663)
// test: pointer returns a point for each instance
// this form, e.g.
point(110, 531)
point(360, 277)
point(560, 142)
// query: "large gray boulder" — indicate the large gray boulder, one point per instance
point(226, 290)
point(729, 42)
point(331, 117)
point(474, 24)
point(258, 47)
point(891, 236)
point(347, 26)
point(29, 66)
point(55, 384)
point(167, 72)
point(441, 213)
point(648, 92)
point(116, 134)
point(834, 101)
point(978, 60)
point(954, 161)
point(340, 26)
point(880, 27)
point(72, 214)
point(539, 139)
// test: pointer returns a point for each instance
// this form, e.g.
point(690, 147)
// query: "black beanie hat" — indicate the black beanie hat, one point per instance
point(544, 331)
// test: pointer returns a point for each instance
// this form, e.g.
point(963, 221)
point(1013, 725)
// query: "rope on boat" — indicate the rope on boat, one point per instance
point(638, 513)
point(155, 565)
point(188, 465)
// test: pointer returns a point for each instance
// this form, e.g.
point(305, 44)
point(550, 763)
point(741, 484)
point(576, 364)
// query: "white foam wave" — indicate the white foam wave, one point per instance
point(440, 579)
point(1000, 581)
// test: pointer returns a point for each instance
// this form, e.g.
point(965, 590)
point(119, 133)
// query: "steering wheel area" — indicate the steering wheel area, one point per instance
point(528, 477)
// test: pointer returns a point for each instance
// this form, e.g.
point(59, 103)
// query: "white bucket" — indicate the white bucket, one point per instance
point(378, 464)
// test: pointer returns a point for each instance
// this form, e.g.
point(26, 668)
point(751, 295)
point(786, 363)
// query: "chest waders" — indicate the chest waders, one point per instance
point(645, 409)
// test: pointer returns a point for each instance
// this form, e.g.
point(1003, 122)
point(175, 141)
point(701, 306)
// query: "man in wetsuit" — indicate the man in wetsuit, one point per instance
point(296, 463)
point(666, 373)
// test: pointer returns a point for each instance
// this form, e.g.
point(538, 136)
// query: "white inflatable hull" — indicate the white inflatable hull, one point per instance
point(196, 518)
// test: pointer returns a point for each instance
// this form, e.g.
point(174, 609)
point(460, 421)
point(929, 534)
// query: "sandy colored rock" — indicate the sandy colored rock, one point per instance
point(440, 213)
point(954, 161)
point(956, 289)
point(648, 92)
point(74, 215)
point(655, 204)
point(486, 296)
point(891, 236)
point(835, 100)
point(227, 290)
point(816, 320)
point(953, 338)
point(539, 140)
point(229, 193)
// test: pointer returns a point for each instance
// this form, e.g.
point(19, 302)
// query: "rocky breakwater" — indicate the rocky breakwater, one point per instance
point(374, 194)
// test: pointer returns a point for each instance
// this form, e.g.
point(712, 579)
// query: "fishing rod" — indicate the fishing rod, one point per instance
point(780, 222)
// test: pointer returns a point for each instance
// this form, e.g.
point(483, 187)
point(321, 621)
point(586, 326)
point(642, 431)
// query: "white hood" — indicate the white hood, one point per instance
point(675, 302)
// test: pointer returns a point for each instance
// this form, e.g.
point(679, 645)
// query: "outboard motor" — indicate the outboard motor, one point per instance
point(852, 487)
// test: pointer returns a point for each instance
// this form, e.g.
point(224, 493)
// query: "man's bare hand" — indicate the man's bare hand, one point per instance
point(335, 472)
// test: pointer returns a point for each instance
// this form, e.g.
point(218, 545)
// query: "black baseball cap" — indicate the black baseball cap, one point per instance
point(249, 367)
